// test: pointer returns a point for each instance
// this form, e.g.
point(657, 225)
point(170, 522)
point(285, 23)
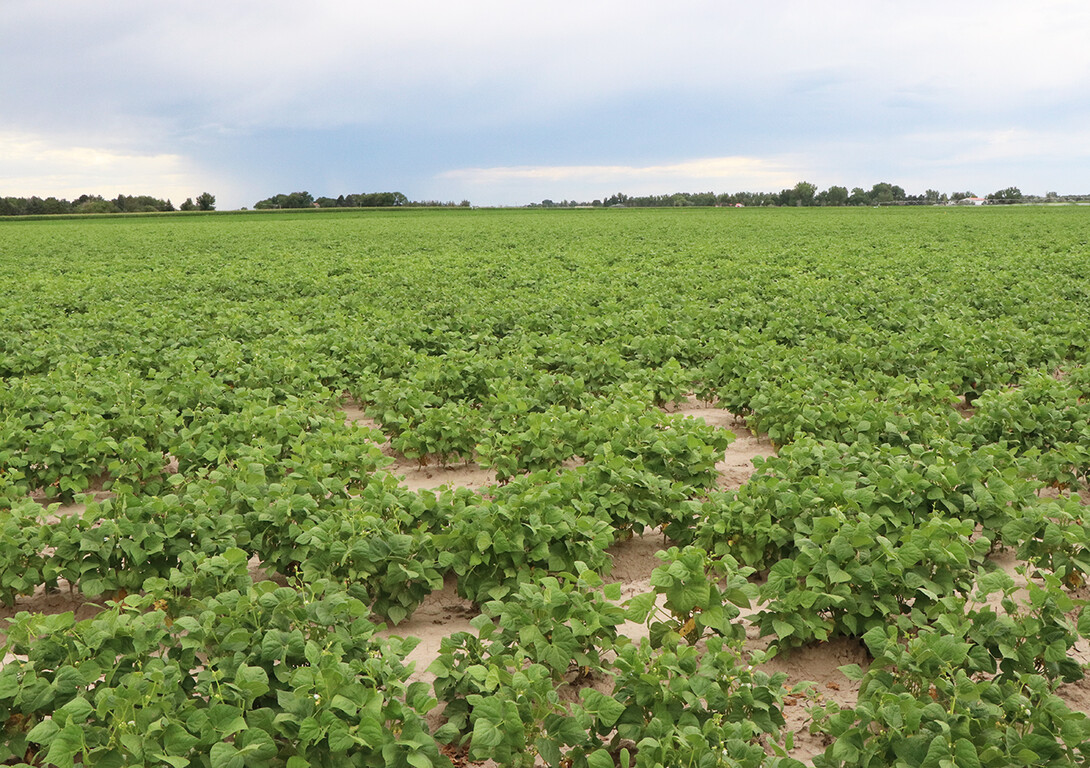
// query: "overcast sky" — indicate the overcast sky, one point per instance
point(511, 103)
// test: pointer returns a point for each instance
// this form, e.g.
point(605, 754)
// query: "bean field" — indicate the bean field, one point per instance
point(581, 488)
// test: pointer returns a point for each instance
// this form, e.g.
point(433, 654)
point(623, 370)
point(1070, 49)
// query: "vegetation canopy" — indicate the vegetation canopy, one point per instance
point(923, 374)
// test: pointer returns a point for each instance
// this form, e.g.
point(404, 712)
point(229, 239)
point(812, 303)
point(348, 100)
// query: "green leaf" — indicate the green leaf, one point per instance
point(343, 704)
point(600, 758)
point(370, 731)
point(177, 740)
point(446, 733)
point(173, 760)
point(640, 606)
point(485, 736)
point(1084, 622)
point(549, 750)
point(226, 719)
point(782, 628)
point(64, 745)
point(78, 709)
point(310, 732)
point(965, 755)
point(252, 681)
point(43, 732)
point(852, 671)
point(340, 740)
point(606, 709)
point(224, 755)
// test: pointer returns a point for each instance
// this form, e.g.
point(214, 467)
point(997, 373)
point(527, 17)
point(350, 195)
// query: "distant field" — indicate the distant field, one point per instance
point(261, 433)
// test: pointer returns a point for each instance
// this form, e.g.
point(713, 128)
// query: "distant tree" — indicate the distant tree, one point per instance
point(376, 200)
point(294, 200)
point(932, 196)
point(141, 204)
point(858, 197)
point(299, 200)
point(833, 196)
point(98, 205)
point(188, 205)
point(206, 201)
point(1006, 196)
point(884, 192)
point(800, 194)
point(804, 193)
point(325, 202)
point(53, 205)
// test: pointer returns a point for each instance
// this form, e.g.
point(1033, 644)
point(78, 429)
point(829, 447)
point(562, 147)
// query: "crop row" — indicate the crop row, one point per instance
point(208, 668)
point(805, 517)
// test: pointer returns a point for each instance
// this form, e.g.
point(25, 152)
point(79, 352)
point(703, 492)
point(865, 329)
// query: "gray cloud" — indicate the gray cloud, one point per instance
point(155, 79)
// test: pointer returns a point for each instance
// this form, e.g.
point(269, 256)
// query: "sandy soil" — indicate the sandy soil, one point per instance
point(1056, 493)
point(54, 601)
point(964, 410)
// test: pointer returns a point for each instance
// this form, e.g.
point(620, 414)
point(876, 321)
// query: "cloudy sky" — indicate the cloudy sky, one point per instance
point(510, 103)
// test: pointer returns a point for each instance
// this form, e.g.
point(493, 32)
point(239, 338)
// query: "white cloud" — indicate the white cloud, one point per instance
point(980, 159)
point(753, 171)
point(35, 165)
point(522, 184)
point(972, 147)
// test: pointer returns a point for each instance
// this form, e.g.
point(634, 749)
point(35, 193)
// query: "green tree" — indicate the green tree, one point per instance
point(858, 197)
point(206, 201)
point(188, 205)
point(96, 205)
point(1006, 196)
point(884, 192)
point(834, 196)
point(804, 193)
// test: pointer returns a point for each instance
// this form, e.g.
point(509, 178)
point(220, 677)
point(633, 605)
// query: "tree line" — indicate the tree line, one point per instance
point(805, 194)
point(362, 200)
point(38, 206)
